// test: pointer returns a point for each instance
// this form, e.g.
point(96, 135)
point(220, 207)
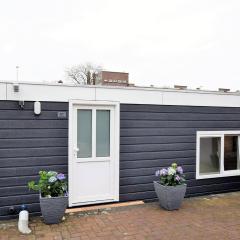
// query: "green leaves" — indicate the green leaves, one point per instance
point(47, 187)
point(33, 186)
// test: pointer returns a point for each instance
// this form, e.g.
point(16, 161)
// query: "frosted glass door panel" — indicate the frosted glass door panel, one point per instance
point(103, 133)
point(84, 133)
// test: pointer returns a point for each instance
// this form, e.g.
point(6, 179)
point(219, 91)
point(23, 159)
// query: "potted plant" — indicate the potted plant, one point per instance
point(52, 187)
point(171, 187)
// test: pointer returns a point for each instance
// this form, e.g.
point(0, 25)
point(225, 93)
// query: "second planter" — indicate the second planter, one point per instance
point(170, 197)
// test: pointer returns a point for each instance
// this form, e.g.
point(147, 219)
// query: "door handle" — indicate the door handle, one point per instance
point(75, 151)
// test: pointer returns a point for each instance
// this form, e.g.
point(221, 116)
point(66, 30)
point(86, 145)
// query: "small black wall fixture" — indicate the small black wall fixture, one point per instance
point(21, 104)
point(16, 87)
point(12, 210)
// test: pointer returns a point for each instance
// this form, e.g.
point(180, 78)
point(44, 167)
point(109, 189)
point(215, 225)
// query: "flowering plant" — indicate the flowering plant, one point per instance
point(50, 184)
point(171, 176)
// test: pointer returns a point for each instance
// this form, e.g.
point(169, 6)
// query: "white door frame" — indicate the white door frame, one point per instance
point(116, 105)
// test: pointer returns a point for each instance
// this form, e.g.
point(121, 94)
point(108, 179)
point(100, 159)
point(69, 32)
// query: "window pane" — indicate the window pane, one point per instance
point(84, 133)
point(103, 133)
point(231, 153)
point(210, 150)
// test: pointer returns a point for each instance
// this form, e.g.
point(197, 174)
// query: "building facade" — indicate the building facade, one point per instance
point(111, 140)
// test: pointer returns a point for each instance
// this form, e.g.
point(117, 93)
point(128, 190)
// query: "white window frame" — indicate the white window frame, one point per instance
point(222, 173)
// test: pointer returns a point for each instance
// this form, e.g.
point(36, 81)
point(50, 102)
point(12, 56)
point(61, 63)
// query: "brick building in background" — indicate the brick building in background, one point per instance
point(114, 79)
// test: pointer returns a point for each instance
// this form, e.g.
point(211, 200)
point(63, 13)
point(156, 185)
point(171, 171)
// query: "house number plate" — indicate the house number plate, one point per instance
point(61, 114)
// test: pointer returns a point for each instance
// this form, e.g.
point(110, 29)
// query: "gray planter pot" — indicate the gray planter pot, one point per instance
point(170, 197)
point(53, 208)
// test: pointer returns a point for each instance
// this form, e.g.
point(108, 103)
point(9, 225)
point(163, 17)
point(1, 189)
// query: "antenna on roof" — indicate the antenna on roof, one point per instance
point(17, 73)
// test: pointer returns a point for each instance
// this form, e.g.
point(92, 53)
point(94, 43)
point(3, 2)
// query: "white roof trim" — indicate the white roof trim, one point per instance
point(136, 95)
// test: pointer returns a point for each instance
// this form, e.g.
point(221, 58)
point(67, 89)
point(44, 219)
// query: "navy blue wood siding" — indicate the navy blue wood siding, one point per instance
point(151, 136)
point(154, 136)
point(28, 144)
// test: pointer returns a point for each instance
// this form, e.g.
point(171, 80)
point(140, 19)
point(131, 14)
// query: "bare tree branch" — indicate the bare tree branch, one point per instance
point(84, 73)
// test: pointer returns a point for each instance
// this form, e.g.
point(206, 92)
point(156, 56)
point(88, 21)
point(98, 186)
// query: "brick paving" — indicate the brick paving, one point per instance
point(212, 217)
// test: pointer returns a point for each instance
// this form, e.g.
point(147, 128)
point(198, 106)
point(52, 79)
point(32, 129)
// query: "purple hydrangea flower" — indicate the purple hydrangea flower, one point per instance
point(61, 176)
point(52, 179)
point(178, 178)
point(163, 172)
point(179, 170)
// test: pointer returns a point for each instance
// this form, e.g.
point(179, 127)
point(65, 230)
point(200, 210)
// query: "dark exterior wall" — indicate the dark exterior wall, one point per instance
point(28, 144)
point(151, 137)
point(154, 136)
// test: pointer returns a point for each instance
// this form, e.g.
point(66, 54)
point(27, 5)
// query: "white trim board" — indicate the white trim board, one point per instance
point(129, 95)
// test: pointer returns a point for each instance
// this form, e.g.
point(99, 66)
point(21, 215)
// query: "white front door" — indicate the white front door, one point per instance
point(93, 152)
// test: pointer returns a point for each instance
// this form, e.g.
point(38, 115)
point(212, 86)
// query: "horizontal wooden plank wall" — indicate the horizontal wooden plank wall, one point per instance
point(153, 136)
point(28, 144)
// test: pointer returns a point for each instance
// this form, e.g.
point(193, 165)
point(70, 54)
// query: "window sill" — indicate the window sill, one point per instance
point(218, 175)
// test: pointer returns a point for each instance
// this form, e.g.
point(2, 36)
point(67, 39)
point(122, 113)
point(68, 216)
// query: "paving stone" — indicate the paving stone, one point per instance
point(212, 217)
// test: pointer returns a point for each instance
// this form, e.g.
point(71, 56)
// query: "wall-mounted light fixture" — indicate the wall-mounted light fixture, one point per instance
point(16, 87)
point(37, 108)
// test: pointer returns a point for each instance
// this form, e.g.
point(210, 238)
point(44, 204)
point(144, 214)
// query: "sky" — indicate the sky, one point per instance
point(160, 43)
